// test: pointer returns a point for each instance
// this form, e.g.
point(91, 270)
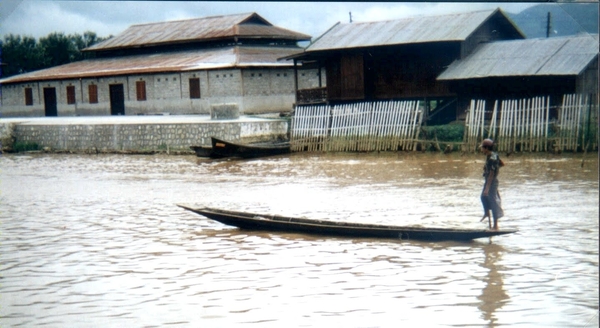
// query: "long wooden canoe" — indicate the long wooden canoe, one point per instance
point(253, 221)
point(224, 148)
point(204, 151)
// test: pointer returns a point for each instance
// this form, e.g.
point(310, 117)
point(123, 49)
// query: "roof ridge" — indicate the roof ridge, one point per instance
point(197, 30)
point(245, 15)
point(423, 16)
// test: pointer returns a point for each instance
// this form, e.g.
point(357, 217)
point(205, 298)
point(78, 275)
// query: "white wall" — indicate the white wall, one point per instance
point(255, 90)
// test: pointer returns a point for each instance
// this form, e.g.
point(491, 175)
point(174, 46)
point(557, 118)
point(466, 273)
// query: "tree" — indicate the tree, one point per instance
point(24, 54)
point(20, 55)
point(87, 40)
point(58, 49)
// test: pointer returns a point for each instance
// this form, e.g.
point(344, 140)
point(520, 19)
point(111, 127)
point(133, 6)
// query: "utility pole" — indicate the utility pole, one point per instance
point(548, 24)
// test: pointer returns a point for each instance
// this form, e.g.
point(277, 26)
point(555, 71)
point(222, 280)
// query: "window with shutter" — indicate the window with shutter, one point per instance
point(70, 95)
point(140, 87)
point(93, 93)
point(28, 97)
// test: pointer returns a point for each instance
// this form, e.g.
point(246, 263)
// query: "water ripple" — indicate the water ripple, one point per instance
point(90, 241)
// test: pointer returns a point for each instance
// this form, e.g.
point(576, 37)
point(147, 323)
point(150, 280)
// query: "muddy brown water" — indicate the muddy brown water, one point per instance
point(97, 241)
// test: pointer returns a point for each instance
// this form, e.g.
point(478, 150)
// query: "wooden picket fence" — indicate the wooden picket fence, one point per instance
point(577, 126)
point(362, 126)
point(474, 125)
point(515, 125)
point(524, 124)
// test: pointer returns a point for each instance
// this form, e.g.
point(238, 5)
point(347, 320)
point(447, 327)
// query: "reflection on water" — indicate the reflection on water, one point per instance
point(88, 241)
point(493, 296)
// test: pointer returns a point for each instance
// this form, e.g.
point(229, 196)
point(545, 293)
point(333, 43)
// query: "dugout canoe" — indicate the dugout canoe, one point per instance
point(204, 151)
point(223, 148)
point(277, 223)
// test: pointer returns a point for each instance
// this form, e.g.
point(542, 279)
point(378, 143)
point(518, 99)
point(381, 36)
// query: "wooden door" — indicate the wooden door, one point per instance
point(117, 99)
point(50, 107)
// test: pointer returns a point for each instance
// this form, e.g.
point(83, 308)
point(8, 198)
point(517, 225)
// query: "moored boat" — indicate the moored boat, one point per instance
point(224, 148)
point(203, 151)
point(253, 221)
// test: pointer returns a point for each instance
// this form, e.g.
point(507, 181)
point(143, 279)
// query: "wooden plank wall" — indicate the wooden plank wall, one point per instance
point(361, 126)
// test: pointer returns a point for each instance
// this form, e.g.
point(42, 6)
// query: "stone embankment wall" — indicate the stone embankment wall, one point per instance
point(142, 137)
point(7, 137)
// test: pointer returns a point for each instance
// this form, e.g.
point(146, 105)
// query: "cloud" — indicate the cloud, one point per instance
point(40, 18)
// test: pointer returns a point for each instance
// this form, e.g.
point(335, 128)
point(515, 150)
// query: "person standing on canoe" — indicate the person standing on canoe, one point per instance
point(490, 197)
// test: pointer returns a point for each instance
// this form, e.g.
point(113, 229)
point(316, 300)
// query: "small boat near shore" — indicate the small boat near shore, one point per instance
point(276, 223)
point(203, 151)
point(221, 148)
point(225, 148)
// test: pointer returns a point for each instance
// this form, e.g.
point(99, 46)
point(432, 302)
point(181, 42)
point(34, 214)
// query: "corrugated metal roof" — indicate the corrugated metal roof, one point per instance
point(199, 29)
point(530, 57)
point(228, 57)
point(453, 27)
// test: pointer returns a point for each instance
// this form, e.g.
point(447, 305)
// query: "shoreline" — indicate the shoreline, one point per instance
point(172, 134)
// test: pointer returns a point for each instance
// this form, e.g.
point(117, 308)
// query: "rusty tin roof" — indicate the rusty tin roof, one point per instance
point(227, 57)
point(452, 27)
point(531, 57)
point(249, 25)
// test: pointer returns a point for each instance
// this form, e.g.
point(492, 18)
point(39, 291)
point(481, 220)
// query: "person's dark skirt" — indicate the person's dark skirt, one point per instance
point(492, 202)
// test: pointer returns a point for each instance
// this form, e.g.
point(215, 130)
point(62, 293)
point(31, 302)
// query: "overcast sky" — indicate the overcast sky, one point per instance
point(39, 18)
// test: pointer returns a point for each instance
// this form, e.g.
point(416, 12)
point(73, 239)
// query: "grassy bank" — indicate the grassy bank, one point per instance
point(441, 137)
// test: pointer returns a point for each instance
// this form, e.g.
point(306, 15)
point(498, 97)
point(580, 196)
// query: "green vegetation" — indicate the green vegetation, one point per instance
point(20, 146)
point(443, 133)
point(22, 54)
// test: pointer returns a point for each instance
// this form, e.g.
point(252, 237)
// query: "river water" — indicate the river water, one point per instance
point(98, 241)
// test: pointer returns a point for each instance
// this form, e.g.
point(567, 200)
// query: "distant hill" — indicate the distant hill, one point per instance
point(566, 19)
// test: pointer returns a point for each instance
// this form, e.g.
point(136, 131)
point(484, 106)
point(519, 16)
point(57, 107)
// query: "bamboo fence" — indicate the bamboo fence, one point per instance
point(363, 126)
point(577, 126)
point(474, 125)
point(524, 124)
point(310, 126)
point(516, 125)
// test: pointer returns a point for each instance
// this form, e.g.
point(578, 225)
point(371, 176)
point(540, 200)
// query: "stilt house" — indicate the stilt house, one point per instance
point(399, 59)
point(527, 68)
